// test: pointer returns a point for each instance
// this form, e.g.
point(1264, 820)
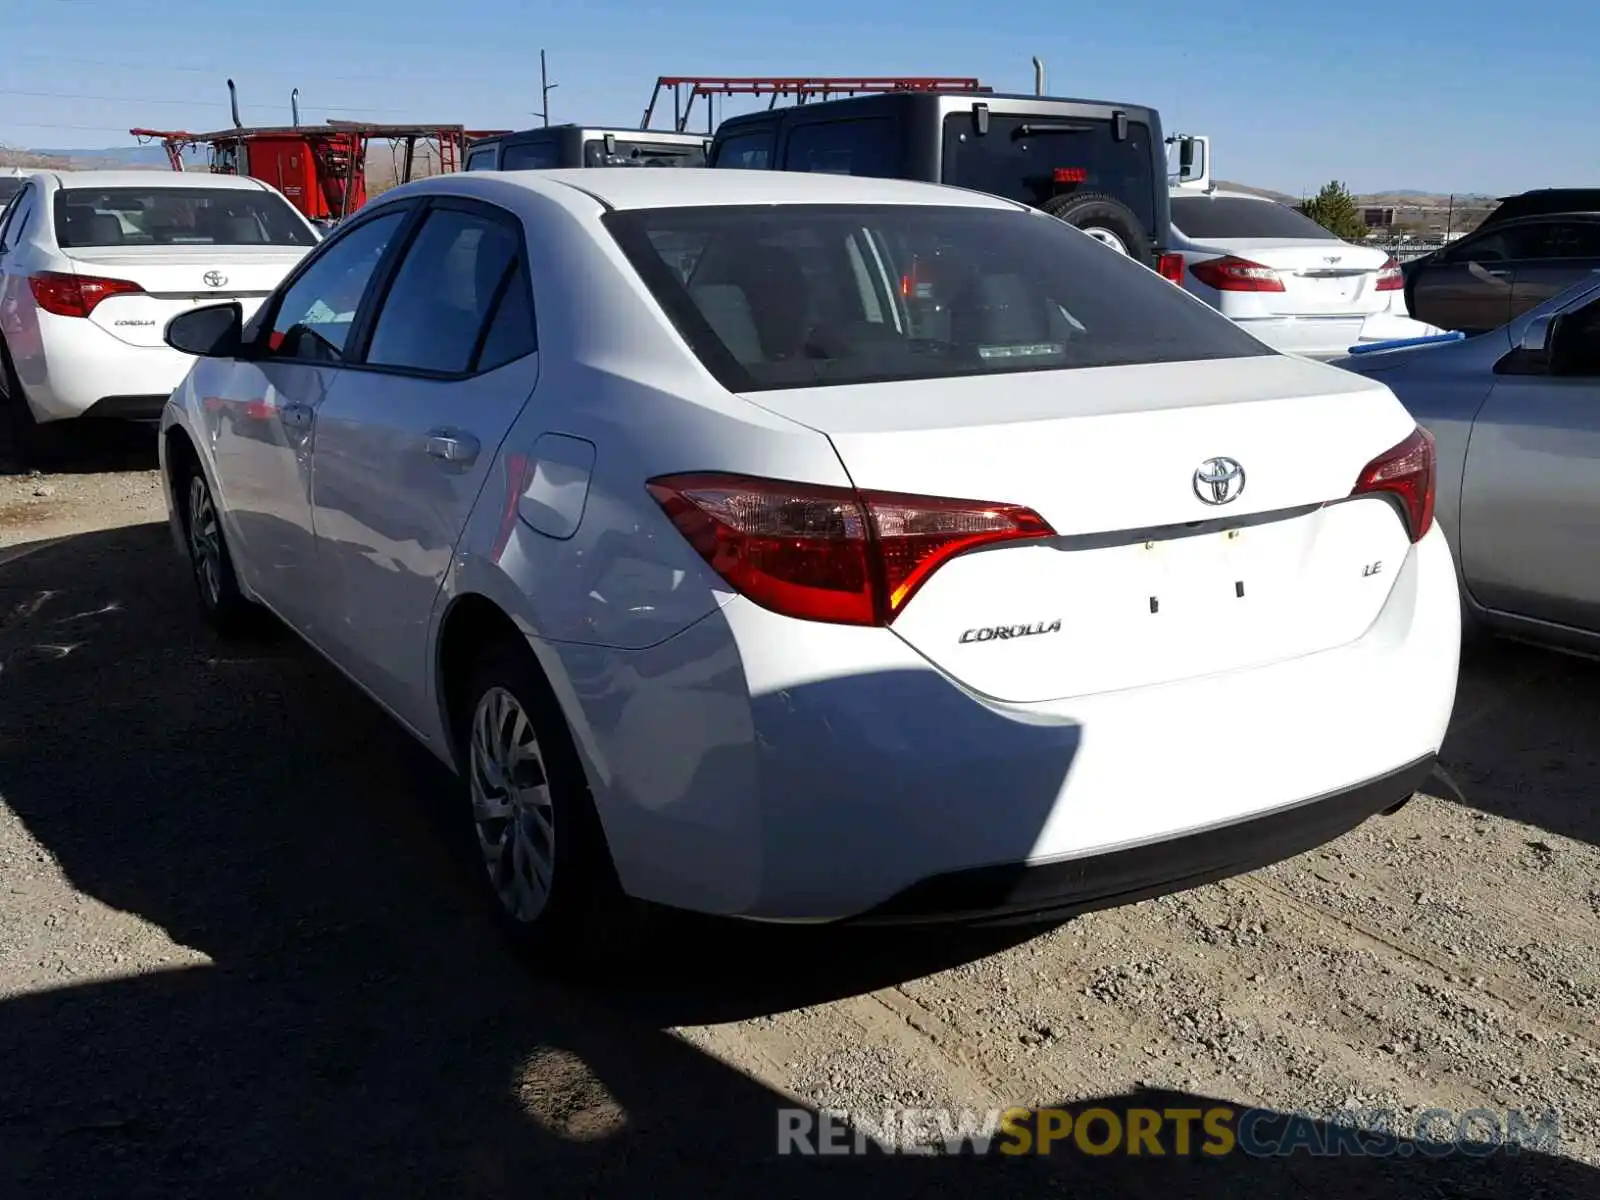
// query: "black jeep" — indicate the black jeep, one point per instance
point(1096, 165)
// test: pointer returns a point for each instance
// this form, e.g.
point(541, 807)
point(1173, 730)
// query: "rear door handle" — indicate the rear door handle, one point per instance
point(296, 416)
point(452, 446)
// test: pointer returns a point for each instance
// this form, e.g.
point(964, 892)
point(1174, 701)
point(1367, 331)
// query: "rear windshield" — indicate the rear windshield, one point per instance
point(809, 295)
point(642, 154)
point(1021, 154)
point(176, 216)
point(1232, 217)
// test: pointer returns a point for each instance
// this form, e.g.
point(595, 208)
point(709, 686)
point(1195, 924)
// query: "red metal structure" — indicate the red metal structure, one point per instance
point(321, 169)
point(802, 88)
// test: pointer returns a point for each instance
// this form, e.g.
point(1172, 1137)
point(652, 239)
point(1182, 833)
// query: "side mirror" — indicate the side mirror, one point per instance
point(215, 331)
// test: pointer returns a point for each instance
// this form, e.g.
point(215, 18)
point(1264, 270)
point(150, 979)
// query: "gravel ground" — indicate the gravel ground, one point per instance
point(239, 953)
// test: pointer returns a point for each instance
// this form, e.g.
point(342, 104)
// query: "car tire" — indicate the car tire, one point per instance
point(1105, 218)
point(216, 584)
point(33, 444)
point(539, 849)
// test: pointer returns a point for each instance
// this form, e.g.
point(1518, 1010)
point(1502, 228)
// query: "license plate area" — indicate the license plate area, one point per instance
point(1216, 575)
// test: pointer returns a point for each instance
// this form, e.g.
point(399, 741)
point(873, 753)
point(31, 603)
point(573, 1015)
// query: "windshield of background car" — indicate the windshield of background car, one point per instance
point(8, 189)
point(642, 154)
point(808, 295)
point(1225, 217)
point(93, 218)
point(1021, 155)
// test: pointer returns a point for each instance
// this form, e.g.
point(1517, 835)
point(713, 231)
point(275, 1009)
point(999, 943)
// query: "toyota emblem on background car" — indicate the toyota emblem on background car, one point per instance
point(214, 279)
point(1219, 481)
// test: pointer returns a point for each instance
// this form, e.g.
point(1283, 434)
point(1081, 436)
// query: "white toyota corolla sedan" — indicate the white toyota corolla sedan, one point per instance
point(814, 548)
point(92, 266)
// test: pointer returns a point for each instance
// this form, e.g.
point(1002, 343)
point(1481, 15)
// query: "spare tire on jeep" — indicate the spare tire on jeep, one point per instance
point(1103, 217)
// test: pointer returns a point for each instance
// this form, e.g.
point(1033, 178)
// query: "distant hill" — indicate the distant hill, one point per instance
point(125, 156)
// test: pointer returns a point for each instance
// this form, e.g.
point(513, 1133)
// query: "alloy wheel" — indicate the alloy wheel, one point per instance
point(512, 806)
point(205, 542)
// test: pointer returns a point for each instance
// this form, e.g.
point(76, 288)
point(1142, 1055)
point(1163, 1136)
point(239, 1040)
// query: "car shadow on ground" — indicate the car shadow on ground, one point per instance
point(87, 448)
point(335, 1016)
point(1522, 743)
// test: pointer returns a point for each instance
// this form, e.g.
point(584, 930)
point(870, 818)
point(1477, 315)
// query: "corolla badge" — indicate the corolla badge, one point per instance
point(214, 279)
point(1219, 481)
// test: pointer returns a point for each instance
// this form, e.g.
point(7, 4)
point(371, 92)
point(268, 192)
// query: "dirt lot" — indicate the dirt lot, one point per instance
point(239, 955)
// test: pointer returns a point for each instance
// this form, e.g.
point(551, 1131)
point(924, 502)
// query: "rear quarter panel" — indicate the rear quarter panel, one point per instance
point(1442, 388)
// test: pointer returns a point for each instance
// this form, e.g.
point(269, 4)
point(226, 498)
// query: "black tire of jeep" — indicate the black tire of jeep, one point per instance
point(32, 444)
point(586, 924)
point(1097, 210)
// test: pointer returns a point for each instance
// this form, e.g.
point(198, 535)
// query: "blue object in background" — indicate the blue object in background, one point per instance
point(1454, 335)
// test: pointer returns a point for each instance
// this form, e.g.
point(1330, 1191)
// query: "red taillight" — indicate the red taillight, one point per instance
point(830, 554)
point(1170, 267)
point(1407, 472)
point(1070, 175)
point(1389, 277)
point(1233, 274)
point(68, 295)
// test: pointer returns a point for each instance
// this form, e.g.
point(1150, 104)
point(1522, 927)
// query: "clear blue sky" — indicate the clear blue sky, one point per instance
point(1388, 94)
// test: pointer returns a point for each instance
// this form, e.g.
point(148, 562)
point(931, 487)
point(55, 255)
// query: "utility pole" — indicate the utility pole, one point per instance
point(545, 88)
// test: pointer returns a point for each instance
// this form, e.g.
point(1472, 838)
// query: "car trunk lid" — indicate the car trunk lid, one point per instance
point(1319, 278)
point(175, 279)
point(1144, 581)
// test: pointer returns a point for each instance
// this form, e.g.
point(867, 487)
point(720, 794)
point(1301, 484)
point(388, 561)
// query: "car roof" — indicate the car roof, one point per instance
point(695, 187)
point(156, 179)
point(622, 133)
point(1545, 218)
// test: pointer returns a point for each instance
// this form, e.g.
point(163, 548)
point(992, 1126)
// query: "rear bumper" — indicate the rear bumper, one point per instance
point(792, 771)
point(85, 372)
point(1028, 891)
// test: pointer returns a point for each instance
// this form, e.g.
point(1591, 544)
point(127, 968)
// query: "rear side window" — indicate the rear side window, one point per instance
point(812, 295)
point(444, 295)
point(481, 159)
point(1225, 217)
point(1560, 240)
point(864, 146)
point(93, 218)
point(1020, 155)
point(746, 151)
point(530, 156)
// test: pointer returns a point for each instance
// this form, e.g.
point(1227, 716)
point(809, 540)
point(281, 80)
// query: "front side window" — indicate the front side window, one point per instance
point(15, 219)
point(313, 322)
point(1219, 218)
point(813, 295)
point(438, 310)
point(93, 218)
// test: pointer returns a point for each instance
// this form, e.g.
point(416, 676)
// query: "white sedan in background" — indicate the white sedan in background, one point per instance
point(1285, 278)
point(731, 574)
point(92, 266)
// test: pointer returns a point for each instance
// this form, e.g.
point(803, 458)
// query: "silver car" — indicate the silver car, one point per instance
point(1516, 416)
